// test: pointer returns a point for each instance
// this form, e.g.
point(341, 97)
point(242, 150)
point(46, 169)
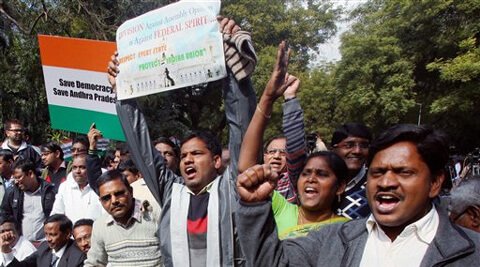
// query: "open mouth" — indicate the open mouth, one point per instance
point(386, 203)
point(310, 191)
point(190, 172)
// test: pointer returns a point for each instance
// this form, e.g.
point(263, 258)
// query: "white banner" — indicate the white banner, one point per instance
point(172, 47)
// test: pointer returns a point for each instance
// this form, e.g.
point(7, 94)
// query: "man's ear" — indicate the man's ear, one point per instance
point(57, 154)
point(474, 213)
point(217, 161)
point(437, 181)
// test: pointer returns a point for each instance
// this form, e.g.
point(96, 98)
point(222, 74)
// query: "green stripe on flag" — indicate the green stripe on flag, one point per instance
point(79, 120)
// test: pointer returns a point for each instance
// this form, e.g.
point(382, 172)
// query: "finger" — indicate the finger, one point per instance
point(223, 23)
point(282, 58)
point(245, 180)
point(229, 27)
point(114, 58)
point(236, 28)
point(291, 80)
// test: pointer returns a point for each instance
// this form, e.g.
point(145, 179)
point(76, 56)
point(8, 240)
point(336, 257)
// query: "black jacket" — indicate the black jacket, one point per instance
point(12, 203)
point(72, 257)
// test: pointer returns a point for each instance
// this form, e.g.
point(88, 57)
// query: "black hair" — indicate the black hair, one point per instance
point(167, 141)
point(6, 155)
point(128, 165)
point(432, 145)
point(65, 223)
point(335, 163)
point(351, 129)
point(83, 222)
point(82, 139)
point(271, 140)
point(25, 165)
point(122, 147)
point(109, 157)
point(11, 219)
point(8, 219)
point(111, 176)
point(8, 123)
point(210, 140)
point(52, 147)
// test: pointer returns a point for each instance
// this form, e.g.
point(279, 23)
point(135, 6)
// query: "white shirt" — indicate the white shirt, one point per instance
point(141, 192)
point(33, 216)
point(59, 254)
point(21, 250)
point(408, 248)
point(75, 203)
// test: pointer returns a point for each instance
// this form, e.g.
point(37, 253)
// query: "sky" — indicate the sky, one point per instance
point(329, 51)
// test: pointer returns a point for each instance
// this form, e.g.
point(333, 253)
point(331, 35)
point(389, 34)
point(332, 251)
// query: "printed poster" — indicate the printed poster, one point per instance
point(171, 47)
point(78, 92)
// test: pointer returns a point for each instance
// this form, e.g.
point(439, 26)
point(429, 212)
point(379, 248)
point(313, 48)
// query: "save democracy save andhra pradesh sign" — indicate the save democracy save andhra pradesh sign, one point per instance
point(78, 92)
point(172, 47)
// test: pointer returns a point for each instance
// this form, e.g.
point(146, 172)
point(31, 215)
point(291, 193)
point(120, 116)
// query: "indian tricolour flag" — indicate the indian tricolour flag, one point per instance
point(77, 87)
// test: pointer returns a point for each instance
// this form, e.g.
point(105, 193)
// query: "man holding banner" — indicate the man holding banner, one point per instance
point(197, 227)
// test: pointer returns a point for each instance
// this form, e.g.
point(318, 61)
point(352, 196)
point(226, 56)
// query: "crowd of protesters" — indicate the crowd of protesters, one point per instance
point(361, 201)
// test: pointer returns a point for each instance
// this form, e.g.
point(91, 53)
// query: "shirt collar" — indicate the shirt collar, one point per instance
point(136, 215)
point(60, 252)
point(355, 180)
point(23, 145)
point(205, 189)
point(425, 228)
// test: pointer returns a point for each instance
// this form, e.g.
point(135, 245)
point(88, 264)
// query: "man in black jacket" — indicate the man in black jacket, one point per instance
point(15, 142)
point(29, 201)
point(58, 251)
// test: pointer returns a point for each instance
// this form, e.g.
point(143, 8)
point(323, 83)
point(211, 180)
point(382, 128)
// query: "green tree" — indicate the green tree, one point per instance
point(402, 54)
point(304, 23)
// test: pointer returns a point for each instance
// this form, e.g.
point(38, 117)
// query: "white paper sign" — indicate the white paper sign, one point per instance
point(172, 47)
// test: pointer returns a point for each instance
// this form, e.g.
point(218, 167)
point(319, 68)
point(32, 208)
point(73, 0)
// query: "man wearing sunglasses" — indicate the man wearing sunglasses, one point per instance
point(15, 142)
point(128, 234)
point(350, 141)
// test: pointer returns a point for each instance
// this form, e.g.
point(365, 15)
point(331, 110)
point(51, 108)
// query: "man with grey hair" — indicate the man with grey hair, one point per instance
point(465, 203)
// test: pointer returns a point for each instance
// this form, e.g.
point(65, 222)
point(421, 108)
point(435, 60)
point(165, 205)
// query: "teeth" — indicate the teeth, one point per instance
point(310, 190)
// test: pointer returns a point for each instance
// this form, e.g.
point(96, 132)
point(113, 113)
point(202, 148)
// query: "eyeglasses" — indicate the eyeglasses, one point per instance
point(46, 153)
point(274, 151)
point(351, 145)
point(16, 130)
point(118, 194)
point(74, 149)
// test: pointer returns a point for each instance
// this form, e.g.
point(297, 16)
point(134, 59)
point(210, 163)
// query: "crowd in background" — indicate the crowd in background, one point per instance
point(358, 201)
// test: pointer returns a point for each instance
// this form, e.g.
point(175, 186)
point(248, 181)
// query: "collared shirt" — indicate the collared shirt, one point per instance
point(355, 180)
point(59, 254)
point(205, 189)
point(33, 216)
point(136, 215)
point(5, 145)
point(75, 203)
point(407, 249)
point(141, 192)
point(22, 249)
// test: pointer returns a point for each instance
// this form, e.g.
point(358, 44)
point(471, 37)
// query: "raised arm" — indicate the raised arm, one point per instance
point(148, 160)
point(256, 225)
point(294, 131)
point(278, 83)
point(239, 96)
point(94, 163)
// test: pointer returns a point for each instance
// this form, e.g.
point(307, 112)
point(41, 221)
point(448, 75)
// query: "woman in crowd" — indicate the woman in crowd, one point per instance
point(320, 186)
